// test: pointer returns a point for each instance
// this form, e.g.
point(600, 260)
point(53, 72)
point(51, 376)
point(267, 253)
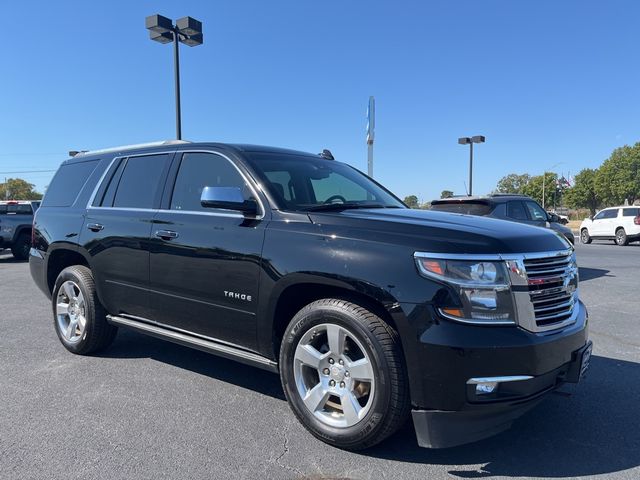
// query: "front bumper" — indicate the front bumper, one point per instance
point(447, 409)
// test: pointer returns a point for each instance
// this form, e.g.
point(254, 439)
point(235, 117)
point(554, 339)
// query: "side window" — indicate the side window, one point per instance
point(109, 193)
point(516, 211)
point(199, 170)
point(536, 212)
point(67, 183)
point(630, 212)
point(337, 185)
point(607, 214)
point(140, 181)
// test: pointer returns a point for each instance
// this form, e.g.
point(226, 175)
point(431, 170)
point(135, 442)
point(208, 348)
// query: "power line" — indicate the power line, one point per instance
point(28, 171)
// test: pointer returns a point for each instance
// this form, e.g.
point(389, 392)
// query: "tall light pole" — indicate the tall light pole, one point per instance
point(187, 30)
point(470, 141)
point(544, 181)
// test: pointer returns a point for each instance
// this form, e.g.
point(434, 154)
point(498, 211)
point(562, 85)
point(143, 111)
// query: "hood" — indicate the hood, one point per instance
point(438, 232)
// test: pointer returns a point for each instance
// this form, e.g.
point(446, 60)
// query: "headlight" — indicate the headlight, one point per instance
point(482, 287)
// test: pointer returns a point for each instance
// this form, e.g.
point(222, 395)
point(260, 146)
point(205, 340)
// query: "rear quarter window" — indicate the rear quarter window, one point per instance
point(470, 208)
point(67, 183)
point(630, 212)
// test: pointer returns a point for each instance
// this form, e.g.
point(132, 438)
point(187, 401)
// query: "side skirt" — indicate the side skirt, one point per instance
point(206, 345)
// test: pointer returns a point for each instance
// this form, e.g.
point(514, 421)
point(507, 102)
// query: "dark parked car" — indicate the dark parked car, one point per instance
point(516, 208)
point(16, 217)
point(302, 265)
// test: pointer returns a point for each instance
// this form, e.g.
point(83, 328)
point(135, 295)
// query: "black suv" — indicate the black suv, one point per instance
point(302, 265)
point(516, 208)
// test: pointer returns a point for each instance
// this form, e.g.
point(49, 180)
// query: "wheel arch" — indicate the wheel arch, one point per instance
point(292, 293)
point(60, 257)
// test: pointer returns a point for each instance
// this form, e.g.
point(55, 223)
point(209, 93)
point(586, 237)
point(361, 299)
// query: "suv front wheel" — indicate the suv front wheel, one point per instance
point(79, 318)
point(584, 236)
point(343, 373)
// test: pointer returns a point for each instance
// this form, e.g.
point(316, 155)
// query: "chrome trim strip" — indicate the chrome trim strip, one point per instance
point(496, 256)
point(207, 345)
point(511, 378)
point(195, 212)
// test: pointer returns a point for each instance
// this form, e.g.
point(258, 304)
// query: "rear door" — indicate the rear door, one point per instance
point(205, 263)
point(117, 229)
point(517, 211)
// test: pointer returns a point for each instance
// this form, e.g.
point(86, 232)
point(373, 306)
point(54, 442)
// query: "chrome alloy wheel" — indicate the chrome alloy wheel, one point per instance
point(71, 311)
point(334, 375)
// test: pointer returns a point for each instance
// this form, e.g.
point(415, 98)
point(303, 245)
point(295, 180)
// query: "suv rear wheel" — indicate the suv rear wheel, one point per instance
point(21, 247)
point(343, 373)
point(79, 318)
point(621, 237)
point(584, 236)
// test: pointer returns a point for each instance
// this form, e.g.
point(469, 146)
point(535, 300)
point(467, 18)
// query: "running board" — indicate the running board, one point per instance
point(208, 346)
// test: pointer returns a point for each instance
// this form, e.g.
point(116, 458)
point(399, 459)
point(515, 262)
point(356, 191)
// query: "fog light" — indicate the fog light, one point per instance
point(485, 388)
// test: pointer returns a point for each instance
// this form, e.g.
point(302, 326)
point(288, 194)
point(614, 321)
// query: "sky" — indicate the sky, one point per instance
point(551, 85)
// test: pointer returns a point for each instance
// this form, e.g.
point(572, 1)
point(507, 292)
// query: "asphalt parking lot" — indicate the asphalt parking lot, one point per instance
point(151, 409)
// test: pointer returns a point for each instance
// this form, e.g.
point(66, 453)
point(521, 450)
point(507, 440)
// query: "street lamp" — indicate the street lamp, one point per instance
point(186, 30)
point(470, 141)
point(544, 181)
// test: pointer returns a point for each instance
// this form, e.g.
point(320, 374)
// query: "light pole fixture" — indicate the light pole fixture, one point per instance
point(470, 141)
point(187, 30)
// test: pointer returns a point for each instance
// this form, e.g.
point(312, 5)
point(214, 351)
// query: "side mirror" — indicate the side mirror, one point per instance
point(228, 198)
point(552, 217)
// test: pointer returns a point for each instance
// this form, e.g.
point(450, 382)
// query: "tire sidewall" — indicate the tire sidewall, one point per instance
point(21, 248)
point(584, 236)
point(65, 275)
point(370, 424)
point(620, 233)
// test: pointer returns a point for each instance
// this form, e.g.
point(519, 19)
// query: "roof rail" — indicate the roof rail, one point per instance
point(80, 153)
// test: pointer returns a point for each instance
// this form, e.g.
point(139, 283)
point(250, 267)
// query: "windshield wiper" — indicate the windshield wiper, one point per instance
point(328, 207)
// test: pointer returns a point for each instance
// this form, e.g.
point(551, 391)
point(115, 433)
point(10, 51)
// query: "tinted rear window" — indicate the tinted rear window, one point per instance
point(139, 186)
point(468, 208)
point(67, 183)
point(630, 212)
point(17, 209)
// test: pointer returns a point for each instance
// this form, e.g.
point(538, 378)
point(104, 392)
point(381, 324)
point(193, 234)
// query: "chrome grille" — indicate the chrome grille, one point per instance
point(552, 283)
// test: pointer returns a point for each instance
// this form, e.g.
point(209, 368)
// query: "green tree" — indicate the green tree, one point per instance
point(446, 194)
point(412, 201)
point(18, 189)
point(513, 183)
point(618, 178)
point(543, 186)
point(583, 193)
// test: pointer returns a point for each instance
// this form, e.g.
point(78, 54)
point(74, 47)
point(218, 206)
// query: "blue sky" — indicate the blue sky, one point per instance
point(545, 81)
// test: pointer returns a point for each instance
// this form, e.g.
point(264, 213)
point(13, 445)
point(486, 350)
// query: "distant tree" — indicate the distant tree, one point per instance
point(618, 178)
point(513, 183)
point(547, 183)
point(446, 194)
point(18, 189)
point(583, 193)
point(412, 201)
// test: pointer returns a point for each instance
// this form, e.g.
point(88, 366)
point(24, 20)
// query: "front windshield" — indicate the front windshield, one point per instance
point(306, 183)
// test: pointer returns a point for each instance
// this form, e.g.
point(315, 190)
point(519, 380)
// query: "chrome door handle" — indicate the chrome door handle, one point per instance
point(95, 227)
point(166, 234)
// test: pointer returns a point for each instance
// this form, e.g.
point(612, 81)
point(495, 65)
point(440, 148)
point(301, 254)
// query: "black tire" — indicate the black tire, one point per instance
point(584, 236)
point(21, 247)
point(98, 334)
point(621, 238)
point(390, 402)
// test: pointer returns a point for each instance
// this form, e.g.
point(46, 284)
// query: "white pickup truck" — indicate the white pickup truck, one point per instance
point(16, 218)
point(620, 224)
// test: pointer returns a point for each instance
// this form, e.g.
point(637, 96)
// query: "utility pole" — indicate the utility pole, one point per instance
point(371, 125)
point(470, 141)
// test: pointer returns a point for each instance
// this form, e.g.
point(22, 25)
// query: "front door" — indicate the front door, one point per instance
point(205, 263)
